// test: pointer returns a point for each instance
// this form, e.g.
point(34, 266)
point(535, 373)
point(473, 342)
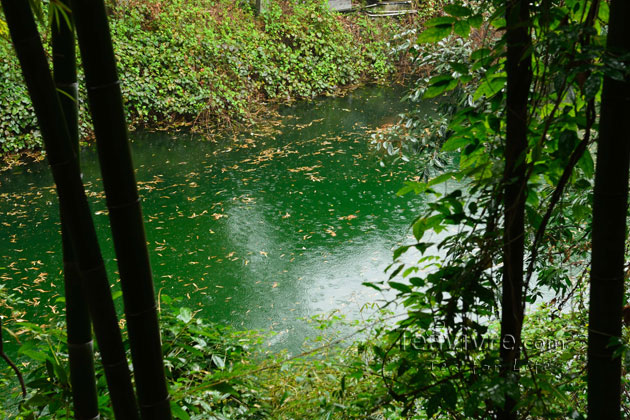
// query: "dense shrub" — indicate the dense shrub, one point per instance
point(214, 62)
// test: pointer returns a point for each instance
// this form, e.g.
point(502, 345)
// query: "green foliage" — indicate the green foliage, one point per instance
point(207, 367)
point(214, 62)
point(421, 131)
point(18, 128)
point(214, 372)
point(451, 285)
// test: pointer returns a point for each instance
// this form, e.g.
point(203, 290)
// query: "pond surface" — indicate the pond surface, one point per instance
point(257, 232)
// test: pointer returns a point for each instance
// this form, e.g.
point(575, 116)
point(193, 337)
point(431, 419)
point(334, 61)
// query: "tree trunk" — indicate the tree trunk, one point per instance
point(519, 75)
point(609, 229)
point(73, 204)
point(125, 214)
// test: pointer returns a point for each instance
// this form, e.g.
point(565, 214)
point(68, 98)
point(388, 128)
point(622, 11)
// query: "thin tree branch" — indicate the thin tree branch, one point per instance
point(10, 362)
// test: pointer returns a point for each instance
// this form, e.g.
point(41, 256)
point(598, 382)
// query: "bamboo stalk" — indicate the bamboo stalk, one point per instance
point(78, 324)
point(519, 77)
point(610, 210)
point(125, 214)
point(73, 203)
point(123, 203)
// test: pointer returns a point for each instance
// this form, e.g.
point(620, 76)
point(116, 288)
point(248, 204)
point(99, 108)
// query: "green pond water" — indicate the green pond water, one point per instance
point(282, 223)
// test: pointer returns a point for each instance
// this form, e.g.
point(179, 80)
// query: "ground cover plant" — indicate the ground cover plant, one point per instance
point(215, 63)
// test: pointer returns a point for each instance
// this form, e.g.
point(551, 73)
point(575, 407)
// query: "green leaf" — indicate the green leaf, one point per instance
point(357, 374)
point(434, 34)
point(476, 21)
point(423, 246)
point(592, 85)
point(422, 319)
point(440, 179)
point(417, 281)
point(418, 229)
point(604, 11)
point(454, 143)
point(586, 164)
point(185, 315)
point(409, 271)
point(490, 87)
point(225, 388)
point(218, 361)
point(480, 53)
point(60, 373)
point(372, 285)
point(439, 85)
point(30, 349)
point(401, 287)
point(457, 10)
point(459, 67)
point(533, 217)
point(440, 21)
point(462, 28)
point(417, 187)
point(400, 250)
point(396, 271)
point(179, 412)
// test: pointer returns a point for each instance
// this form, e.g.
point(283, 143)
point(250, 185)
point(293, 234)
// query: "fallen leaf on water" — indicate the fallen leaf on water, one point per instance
point(275, 284)
point(304, 168)
point(197, 215)
point(331, 232)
